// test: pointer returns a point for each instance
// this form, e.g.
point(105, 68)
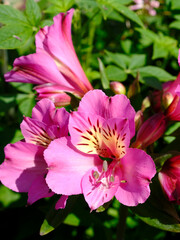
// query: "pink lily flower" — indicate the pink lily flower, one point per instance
point(97, 160)
point(169, 177)
point(54, 68)
point(24, 168)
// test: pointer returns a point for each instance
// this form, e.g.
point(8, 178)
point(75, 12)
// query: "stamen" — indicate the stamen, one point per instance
point(105, 166)
point(123, 181)
point(95, 174)
point(111, 178)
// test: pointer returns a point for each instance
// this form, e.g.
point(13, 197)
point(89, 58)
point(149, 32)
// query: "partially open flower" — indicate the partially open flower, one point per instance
point(54, 68)
point(169, 178)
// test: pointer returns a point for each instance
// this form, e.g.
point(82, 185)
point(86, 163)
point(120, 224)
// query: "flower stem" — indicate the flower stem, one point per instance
point(121, 226)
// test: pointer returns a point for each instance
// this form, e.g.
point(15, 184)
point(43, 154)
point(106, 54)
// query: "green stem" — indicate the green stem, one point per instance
point(121, 226)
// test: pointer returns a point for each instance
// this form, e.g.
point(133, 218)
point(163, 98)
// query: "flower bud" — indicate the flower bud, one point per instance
point(169, 178)
point(138, 120)
point(173, 111)
point(167, 99)
point(150, 131)
point(118, 88)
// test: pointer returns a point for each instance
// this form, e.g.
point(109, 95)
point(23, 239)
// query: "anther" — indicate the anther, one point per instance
point(95, 174)
point(105, 166)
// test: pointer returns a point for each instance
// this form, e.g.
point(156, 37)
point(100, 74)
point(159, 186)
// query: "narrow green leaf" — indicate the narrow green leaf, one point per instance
point(10, 15)
point(125, 11)
point(104, 79)
point(115, 73)
point(33, 12)
point(14, 36)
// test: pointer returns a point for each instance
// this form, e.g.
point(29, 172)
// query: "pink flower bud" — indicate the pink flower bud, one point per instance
point(118, 88)
point(169, 178)
point(150, 131)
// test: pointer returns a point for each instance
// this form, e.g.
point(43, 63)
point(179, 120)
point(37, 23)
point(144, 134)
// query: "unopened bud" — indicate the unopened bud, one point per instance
point(138, 120)
point(118, 88)
point(167, 99)
point(150, 131)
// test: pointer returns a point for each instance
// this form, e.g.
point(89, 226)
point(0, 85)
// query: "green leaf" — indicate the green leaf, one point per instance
point(147, 33)
point(72, 220)
point(175, 24)
point(120, 59)
point(33, 12)
point(125, 11)
point(175, 4)
point(157, 72)
point(157, 211)
point(137, 60)
point(26, 102)
point(14, 36)
point(10, 15)
point(55, 217)
point(104, 79)
point(159, 161)
point(7, 196)
point(159, 51)
point(115, 73)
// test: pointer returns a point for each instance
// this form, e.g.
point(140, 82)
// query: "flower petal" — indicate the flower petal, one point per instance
point(61, 203)
point(137, 169)
point(23, 163)
point(66, 166)
point(33, 69)
point(96, 102)
point(98, 191)
point(38, 190)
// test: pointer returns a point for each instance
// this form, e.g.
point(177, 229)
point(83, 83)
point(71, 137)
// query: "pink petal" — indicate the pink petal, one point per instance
point(42, 111)
point(40, 36)
point(33, 69)
point(61, 203)
point(66, 166)
point(177, 90)
point(23, 163)
point(96, 192)
point(137, 170)
point(46, 112)
point(97, 103)
point(38, 190)
point(54, 93)
point(59, 34)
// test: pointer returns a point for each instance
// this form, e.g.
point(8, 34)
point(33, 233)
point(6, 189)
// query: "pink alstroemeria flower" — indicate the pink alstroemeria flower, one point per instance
point(97, 160)
point(24, 168)
point(54, 68)
point(169, 177)
point(147, 5)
